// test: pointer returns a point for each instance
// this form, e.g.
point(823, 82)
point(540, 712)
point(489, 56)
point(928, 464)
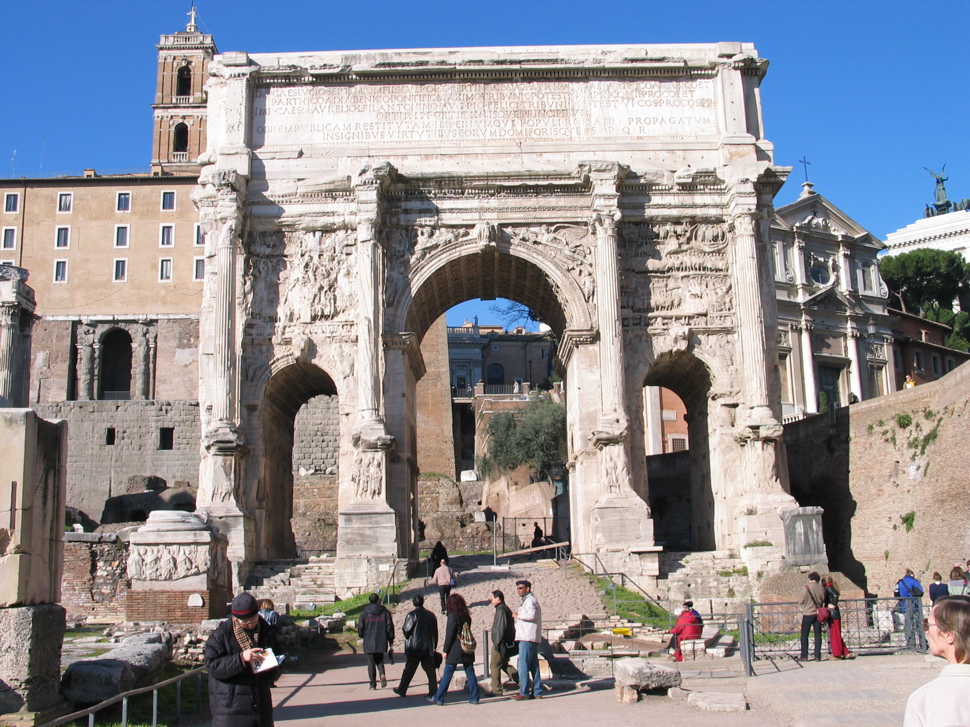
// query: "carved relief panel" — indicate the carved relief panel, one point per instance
point(676, 272)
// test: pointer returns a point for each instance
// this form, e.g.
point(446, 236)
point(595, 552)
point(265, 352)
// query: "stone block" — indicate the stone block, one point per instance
point(718, 701)
point(137, 662)
point(30, 657)
point(642, 674)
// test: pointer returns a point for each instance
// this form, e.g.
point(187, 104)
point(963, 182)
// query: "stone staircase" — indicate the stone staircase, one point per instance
point(294, 583)
point(718, 579)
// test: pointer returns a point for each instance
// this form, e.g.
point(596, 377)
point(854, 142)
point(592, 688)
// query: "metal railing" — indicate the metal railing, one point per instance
point(868, 625)
point(125, 696)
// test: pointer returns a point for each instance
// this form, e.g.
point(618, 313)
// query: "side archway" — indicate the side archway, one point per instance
point(296, 491)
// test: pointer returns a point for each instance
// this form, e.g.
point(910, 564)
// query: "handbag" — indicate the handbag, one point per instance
point(467, 639)
point(509, 648)
point(438, 658)
point(821, 613)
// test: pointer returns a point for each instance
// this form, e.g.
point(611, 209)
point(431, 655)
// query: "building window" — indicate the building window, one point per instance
point(109, 436)
point(166, 237)
point(820, 273)
point(65, 202)
point(495, 375)
point(542, 353)
point(183, 81)
point(166, 438)
point(115, 378)
point(9, 238)
point(198, 268)
point(124, 202)
point(876, 378)
point(62, 238)
point(7, 262)
point(918, 361)
point(168, 200)
point(180, 138)
point(60, 271)
point(783, 378)
point(678, 443)
point(165, 270)
point(865, 277)
point(11, 202)
point(121, 236)
point(950, 364)
point(199, 235)
point(898, 360)
point(935, 366)
point(121, 270)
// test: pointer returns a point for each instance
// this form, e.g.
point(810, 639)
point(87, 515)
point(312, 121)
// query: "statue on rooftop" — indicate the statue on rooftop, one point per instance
point(940, 187)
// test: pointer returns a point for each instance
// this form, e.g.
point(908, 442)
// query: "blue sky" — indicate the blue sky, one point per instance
point(868, 92)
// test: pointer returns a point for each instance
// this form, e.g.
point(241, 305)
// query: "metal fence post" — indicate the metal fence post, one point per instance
point(746, 635)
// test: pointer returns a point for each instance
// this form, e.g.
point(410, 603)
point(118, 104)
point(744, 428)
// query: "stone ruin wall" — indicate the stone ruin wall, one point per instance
point(316, 450)
point(95, 583)
point(97, 470)
point(869, 472)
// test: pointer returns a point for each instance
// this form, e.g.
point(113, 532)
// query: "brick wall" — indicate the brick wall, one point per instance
point(891, 474)
point(95, 580)
point(172, 606)
point(316, 437)
point(97, 470)
point(435, 445)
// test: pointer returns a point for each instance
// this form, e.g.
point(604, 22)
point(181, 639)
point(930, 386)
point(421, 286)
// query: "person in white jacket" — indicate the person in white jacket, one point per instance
point(946, 699)
point(528, 634)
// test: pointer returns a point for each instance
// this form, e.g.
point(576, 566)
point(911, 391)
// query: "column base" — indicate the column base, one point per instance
point(30, 664)
point(622, 536)
point(367, 546)
point(32, 719)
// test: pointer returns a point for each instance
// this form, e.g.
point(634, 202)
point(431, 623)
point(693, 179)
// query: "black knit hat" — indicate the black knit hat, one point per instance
point(244, 606)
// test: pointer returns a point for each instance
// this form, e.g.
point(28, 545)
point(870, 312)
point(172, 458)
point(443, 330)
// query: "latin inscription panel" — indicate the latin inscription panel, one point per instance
point(484, 113)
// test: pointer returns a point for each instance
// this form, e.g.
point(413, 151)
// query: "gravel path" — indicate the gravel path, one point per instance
point(561, 592)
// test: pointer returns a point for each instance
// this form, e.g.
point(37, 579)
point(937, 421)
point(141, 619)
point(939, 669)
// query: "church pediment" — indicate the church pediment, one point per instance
point(813, 212)
point(833, 300)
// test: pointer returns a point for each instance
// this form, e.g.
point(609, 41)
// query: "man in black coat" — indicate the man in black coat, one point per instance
point(238, 696)
point(503, 643)
point(421, 639)
point(376, 630)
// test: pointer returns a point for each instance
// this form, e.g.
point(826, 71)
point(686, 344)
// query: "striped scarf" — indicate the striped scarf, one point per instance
point(245, 638)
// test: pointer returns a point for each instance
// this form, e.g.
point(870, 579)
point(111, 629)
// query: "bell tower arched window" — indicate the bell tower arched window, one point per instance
point(180, 138)
point(115, 377)
point(183, 81)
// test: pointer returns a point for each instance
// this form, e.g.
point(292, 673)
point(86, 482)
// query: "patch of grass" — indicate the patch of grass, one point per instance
point(351, 606)
point(903, 420)
point(880, 423)
point(928, 414)
point(885, 554)
point(929, 437)
point(631, 605)
point(870, 429)
point(727, 573)
point(908, 520)
point(758, 544)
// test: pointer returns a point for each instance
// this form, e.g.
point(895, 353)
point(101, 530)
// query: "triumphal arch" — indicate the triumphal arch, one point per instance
point(623, 192)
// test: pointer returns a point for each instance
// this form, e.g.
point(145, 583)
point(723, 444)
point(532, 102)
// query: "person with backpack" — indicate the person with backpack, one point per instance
point(910, 593)
point(503, 643)
point(459, 650)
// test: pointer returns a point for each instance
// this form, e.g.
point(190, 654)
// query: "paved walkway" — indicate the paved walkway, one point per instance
point(869, 691)
point(872, 690)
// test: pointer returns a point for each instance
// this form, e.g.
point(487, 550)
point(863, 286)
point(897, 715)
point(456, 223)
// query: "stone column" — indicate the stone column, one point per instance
point(759, 420)
point(16, 321)
point(622, 531)
point(854, 338)
point(808, 365)
point(219, 197)
point(85, 361)
point(33, 490)
point(141, 365)
point(367, 536)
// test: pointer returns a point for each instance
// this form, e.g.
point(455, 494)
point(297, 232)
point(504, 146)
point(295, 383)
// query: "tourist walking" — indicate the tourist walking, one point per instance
point(420, 641)
point(946, 699)
point(503, 643)
point(836, 643)
point(813, 597)
point(267, 612)
point(456, 650)
point(938, 588)
point(444, 578)
point(528, 635)
point(958, 583)
point(910, 593)
point(376, 630)
point(239, 696)
point(438, 554)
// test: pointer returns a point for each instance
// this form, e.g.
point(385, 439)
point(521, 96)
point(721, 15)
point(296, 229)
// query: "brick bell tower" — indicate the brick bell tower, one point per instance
point(180, 100)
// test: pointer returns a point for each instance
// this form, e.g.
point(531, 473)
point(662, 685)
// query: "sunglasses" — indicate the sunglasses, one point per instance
point(927, 623)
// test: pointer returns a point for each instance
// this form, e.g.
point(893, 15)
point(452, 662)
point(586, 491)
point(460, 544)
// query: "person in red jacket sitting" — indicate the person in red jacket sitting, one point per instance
point(688, 627)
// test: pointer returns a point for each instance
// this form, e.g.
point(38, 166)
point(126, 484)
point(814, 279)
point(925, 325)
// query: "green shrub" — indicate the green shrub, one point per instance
point(903, 420)
point(908, 519)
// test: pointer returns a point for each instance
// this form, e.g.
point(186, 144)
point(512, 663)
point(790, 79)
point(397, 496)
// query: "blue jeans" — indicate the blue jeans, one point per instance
point(446, 682)
point(529, 665)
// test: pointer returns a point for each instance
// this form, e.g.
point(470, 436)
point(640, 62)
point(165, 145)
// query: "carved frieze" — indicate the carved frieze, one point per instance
point(319, 280)
point(368, 474)
point(678, 271)
point(170, 562)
